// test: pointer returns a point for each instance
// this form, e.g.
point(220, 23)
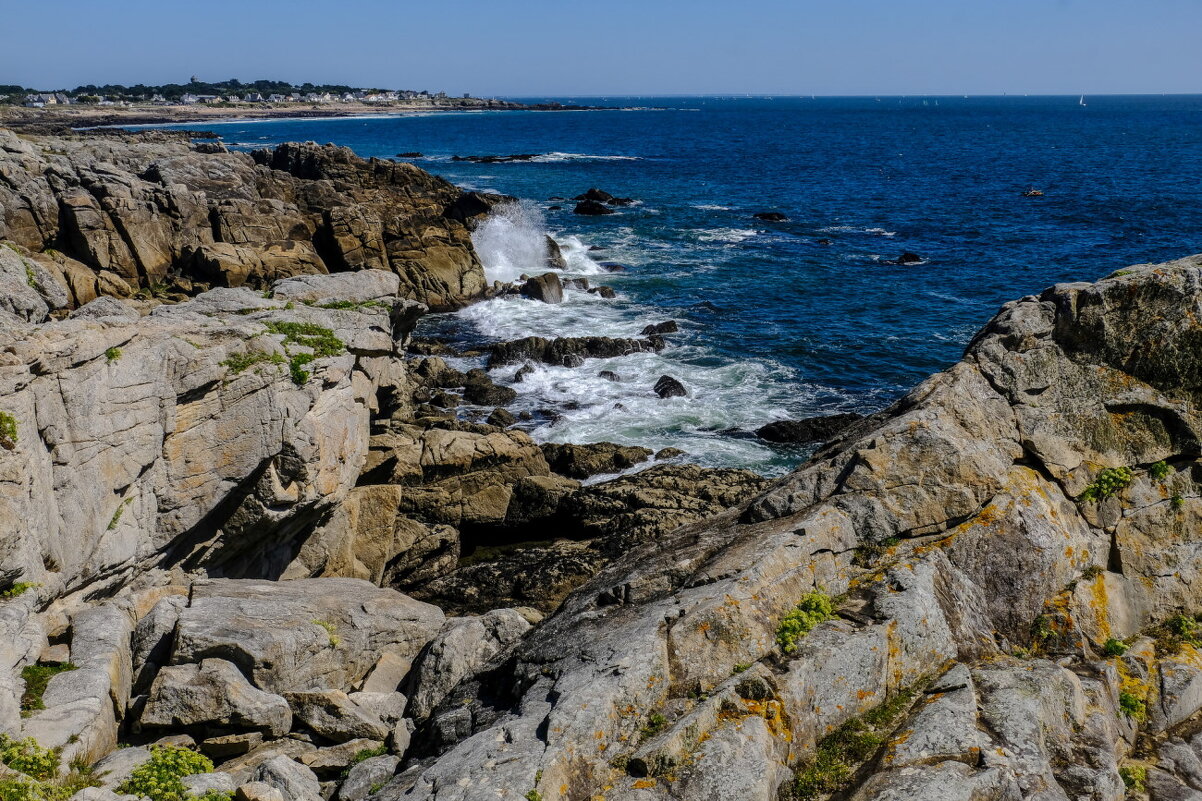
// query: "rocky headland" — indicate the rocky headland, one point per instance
point(251, 547)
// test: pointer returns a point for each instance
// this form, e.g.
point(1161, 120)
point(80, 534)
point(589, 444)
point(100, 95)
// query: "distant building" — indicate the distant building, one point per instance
point(277, 99)
point(189, 99)
point(253, 97)
point(47, 99)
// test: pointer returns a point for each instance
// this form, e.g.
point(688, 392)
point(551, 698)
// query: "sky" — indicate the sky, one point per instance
point(515, 48)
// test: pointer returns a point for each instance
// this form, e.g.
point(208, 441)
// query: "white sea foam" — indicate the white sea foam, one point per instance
point(728, 235)
point(711, 207)
point(851, 229)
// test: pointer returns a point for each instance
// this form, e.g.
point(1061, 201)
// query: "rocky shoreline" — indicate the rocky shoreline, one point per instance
point(250, 547)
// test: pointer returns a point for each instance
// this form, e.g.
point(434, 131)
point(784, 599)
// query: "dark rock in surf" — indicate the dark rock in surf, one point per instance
point(546, 287)
point(603, 291)
point(501, 418)
point(577, 283)
point(669, 387)
point(595, 195)
point(666, 327)
point(413, 154)
point(825, 241)
point(592, 208)
point(905, 260)
point(523, 371)
point(613, 267)
point(809, 429)
point(668, 453)
point(469, 207)
point(568, 351)
point(554, 208)
point(555, 259)
point(480, 390)
point(582, 461)
point(771, 216)
point(609, 375)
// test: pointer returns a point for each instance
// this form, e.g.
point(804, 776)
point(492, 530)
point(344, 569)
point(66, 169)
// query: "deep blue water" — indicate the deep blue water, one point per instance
point(777, 324)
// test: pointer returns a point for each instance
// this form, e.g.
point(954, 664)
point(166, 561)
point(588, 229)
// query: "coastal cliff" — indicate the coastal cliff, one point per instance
point(240, 516)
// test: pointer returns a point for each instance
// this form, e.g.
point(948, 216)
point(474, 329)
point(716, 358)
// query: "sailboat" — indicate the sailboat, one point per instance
point(1081, 102)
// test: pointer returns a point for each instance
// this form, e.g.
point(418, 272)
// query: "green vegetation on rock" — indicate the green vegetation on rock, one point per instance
point(1160, 470)
point(1134, 776)
point(1132, 705)
point(8, 431)
point(1109, 481)
point(814, 608)
point(159, 777)
point(1114, 647)
point(321, 341)
point(27, 757)
point(36, 678)
point(238, 362)
point(18, 588)
point(112, 354)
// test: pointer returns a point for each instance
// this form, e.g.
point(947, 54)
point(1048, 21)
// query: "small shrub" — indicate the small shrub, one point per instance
point(332, 633)
point(19, 588)
point(1113, 647)
point(1183, 626)
point(27, 757)
point(159, 777)
point(1160, 470)
point(212, 795)
point(309, 335)
point(1109, 481)
point(1177, 502)
point(741, 667)
point(1041, 629)
point(112, 354)
point(1132, 706)
point(8, 431)
point(1134, 776)
point(116, 518)
point(814, 608)
point(533, 795)
point(36, 678)
point(296, 368)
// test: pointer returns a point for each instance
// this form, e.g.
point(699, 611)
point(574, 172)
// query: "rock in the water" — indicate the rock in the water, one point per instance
point(592, 208)
point(568, 351)
point(596, 195)
point(481, 390)
point(213, 693)
point(502, 418)
point(808, 429)
point(555, 258)
point(669, 387)
point(546, 287)
point(771, 216)
point(666, 327)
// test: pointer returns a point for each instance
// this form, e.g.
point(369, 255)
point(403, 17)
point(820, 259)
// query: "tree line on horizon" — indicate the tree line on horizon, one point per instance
point(174, 91)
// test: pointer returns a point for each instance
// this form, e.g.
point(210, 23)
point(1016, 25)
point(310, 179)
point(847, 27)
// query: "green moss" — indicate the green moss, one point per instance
point(321, 341)
point(533, 795)
point(1109, 481)
point(1132, 706)
point(1134, 776)
point(112, 354)
point(238, 362)
point(814, 608)
point(159, 777)
point(116, 518)
point(1177, 502)
point(1113, 647)
point(1041, 629)
point(1160, 470)
point(349, 304)
point(31, 277)
point(654, 725)
point(296, 367)
point(375, 788)
point(839, 754)
point(36, 678)
point(213, 795)
point(18, 588)
point(741, 668)
point(8, 431)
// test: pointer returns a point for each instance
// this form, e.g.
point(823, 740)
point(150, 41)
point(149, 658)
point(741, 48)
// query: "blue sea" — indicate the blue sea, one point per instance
point(804, 317)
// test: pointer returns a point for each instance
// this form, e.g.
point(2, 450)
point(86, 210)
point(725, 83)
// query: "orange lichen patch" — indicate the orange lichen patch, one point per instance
point(1099, 602)
point(862, 694)
point(599, 735)
point(704, 627)
point(644, 784)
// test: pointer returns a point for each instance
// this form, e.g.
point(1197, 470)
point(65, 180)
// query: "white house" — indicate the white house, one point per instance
point(253, 97)
point(189, 99)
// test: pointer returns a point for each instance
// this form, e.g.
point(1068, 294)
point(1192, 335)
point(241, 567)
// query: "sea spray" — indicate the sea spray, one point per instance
point(512, 242)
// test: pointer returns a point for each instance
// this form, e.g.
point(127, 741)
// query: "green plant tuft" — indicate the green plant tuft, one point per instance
point(741, 667)
point(363, 753)
point(814, 608)
point(112, 354)
point(1113, 647)
point(212, 795)
point(18, 588)
point(28, 757)
point(332, 634)
point(1160, 470)
point(654, 725)
point(1177, 502)
point(1134, 776)
point(533, 795)
point(1041, 628)
point(1109, 481)
point(1132, 706)
point(36, 678)
point(159, 777)
point(116, 518)
point(8, 431)
point(238, 362)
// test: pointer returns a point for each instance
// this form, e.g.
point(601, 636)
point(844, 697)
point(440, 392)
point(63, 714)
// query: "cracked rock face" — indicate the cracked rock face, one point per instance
point(979, 579)
point(109, 215)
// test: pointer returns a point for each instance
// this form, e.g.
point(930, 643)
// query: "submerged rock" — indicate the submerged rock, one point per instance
point(808, 429)
point(592, 208)
point(771, 216)
point(568, 351)
point(669, 387)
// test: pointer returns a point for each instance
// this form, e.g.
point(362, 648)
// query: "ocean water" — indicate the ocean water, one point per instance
point(804, 317)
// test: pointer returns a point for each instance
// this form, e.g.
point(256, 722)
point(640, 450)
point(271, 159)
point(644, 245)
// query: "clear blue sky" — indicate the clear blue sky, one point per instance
point(595, 47)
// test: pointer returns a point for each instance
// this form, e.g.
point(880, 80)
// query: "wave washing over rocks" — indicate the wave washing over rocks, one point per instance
point(249, 545)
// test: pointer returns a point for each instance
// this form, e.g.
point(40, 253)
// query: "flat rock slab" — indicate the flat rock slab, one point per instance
point(307, 634)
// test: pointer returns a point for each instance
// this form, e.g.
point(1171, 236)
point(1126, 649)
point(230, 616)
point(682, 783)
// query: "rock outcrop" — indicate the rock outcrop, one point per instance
point(1003, 548)
point(114, 216)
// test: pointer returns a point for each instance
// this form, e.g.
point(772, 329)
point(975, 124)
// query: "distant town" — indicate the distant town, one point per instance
point(226, 93)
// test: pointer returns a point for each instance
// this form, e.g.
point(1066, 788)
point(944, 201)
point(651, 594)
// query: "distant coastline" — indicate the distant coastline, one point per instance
point(60, 118)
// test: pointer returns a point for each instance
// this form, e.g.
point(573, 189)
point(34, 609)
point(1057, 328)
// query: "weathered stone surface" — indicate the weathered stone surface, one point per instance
point(268, 629)
point(366, 775)
point(114, 769)
point(213, 693)
point(582, 461)
point(336, 717)
point(546, 287)
point(217, 782)
point(292, 779)
point(464, 646)
point(148, 210)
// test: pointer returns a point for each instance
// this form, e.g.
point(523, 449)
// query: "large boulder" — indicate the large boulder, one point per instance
point(215, 694)
point(336, 717)
point(307, 634)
